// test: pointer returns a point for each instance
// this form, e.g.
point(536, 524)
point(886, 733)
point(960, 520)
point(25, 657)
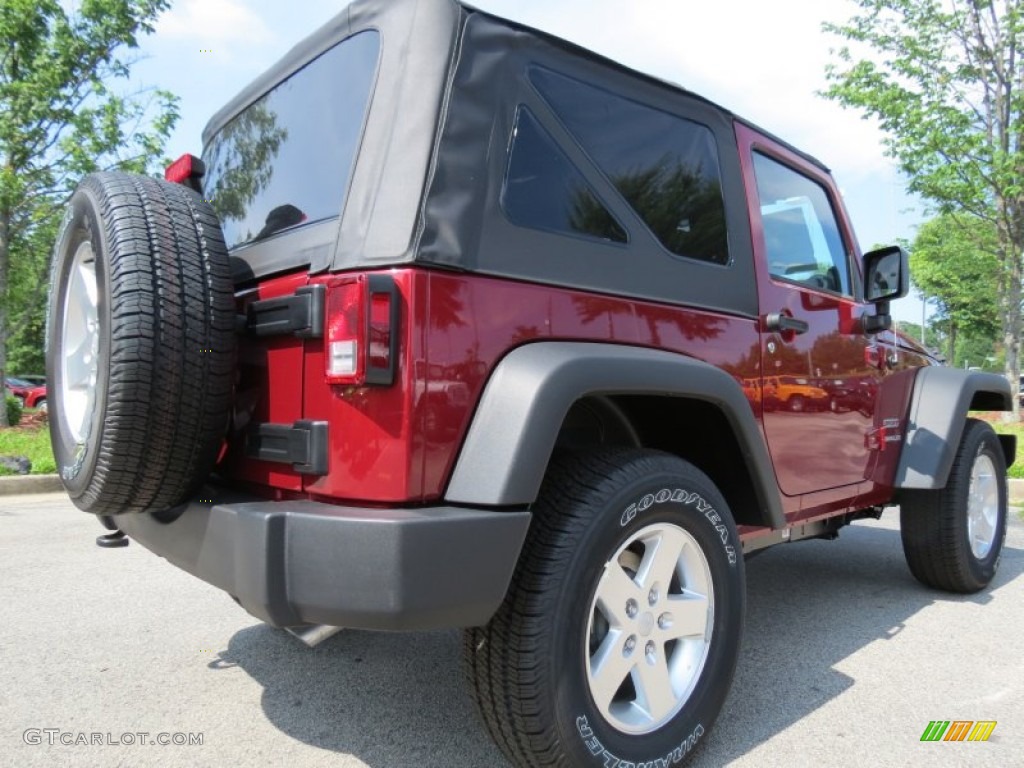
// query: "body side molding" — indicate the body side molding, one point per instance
point(516, 423)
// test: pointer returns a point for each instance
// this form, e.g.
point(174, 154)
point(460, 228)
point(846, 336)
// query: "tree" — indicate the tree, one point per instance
point(60, 118)
point(945, 84)
point(953, 260)
point(934, 340)
point(977, 352)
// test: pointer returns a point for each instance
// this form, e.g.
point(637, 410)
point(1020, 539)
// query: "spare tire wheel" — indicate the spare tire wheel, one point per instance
point(140, 344)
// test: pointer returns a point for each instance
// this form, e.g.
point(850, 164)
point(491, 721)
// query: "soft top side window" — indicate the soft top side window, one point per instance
point(544, 190)
point(664, 166)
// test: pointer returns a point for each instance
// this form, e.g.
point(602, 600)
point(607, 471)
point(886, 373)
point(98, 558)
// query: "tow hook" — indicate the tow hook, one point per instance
point(112, 540)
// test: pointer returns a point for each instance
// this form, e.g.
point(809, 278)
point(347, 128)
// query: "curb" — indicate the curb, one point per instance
point(12, 485)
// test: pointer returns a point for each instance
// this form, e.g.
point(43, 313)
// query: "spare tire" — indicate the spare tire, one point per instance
point(140, 344)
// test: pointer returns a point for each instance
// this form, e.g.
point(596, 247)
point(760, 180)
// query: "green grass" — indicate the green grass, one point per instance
point(34, 443)
point(1017, 470)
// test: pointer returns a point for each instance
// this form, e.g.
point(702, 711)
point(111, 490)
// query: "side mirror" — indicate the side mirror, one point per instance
point(886, 277)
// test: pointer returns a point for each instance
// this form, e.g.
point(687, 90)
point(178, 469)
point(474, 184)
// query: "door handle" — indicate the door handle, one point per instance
point(779, 322)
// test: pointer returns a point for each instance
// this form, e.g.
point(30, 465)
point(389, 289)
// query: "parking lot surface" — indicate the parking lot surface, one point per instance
point(846, 659)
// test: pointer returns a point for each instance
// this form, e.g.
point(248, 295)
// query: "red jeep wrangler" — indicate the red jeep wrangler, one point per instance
point(456, 324)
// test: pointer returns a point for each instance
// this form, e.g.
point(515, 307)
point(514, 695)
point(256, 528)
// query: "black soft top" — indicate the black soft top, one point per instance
point(421, 188)
point(432, 20)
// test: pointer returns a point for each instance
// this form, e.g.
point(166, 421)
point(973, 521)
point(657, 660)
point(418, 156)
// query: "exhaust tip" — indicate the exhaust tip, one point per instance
point(313, 634)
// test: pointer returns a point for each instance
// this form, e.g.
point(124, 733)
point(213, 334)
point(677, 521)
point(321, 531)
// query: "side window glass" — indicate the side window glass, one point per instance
point(544, 190)
point(664, 166)
point(802, 239)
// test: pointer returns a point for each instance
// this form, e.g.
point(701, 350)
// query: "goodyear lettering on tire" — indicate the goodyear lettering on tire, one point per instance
point(685, 498)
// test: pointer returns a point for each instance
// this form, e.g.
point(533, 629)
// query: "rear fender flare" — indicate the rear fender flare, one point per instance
point(513, 432)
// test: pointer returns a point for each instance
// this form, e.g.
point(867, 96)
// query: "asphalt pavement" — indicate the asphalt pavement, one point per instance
point(846, 659)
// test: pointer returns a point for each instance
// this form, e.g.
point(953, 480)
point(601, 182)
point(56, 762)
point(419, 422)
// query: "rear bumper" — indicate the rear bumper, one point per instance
point(303, 562)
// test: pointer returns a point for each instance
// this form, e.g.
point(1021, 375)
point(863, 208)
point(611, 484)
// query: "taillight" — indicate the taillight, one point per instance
point(187, 170)
point(345, 331)
point(361, 330)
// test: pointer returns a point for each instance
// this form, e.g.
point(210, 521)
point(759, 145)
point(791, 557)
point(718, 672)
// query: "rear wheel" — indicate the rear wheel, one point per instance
point(797, 404)
point(140, 344)
point(619, 635)
point(953, 536)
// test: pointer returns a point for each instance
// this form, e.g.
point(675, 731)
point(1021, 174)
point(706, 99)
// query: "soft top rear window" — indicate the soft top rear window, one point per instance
point(286, 160)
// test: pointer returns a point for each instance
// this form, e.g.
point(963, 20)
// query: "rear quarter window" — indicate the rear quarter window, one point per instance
point(665, 166)
point(544, 190)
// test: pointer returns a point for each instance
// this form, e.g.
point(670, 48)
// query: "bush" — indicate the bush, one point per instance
point(13, 410)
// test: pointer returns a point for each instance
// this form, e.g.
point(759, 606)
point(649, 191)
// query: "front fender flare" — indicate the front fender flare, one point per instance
point(513, 433)
point(938, 408)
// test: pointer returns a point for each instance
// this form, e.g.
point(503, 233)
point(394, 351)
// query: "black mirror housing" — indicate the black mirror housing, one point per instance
point(886, 277)
point(886, 274)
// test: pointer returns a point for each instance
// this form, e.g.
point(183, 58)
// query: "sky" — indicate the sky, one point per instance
point(764, 61)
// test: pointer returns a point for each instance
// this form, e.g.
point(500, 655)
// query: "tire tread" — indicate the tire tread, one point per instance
point(932, 525)
point(505, 663)
point(172, 345)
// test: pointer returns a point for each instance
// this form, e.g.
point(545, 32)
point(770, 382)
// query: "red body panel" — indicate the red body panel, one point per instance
point(477, 320)
point(399, 443)
point(903, 362)
point(376, 445)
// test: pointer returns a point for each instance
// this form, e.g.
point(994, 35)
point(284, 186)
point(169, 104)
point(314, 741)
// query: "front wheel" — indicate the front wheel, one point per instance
point(953, 536)
point(620, 633)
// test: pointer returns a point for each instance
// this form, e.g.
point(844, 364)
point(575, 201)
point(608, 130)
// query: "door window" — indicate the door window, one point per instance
point(802, 240)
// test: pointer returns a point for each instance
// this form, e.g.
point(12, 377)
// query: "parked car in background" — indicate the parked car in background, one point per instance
point(850, 393)
point(30, 394)
point(794, 393)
